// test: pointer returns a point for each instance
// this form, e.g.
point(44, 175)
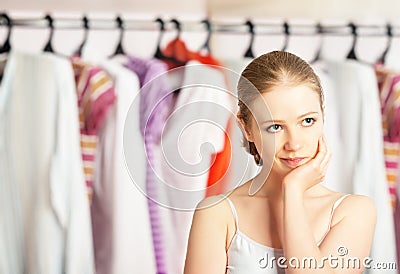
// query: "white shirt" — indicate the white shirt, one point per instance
point(194, 131)
point(44, 209)
point(131, 235)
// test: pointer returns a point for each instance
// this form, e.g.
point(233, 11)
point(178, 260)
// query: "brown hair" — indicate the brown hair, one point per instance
point(266, 72)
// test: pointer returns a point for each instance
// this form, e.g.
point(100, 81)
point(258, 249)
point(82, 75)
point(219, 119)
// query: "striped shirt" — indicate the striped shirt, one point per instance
point(155, 102)
point(95, 91)
point(389, 89)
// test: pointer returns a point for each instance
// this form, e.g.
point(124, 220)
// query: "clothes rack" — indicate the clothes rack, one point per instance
point(296, 29)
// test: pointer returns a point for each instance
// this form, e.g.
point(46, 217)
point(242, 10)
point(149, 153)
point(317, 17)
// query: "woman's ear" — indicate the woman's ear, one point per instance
point(245, 129)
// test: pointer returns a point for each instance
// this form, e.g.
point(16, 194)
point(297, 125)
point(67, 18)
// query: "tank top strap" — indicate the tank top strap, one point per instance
point(234, 213)
point(335, 205)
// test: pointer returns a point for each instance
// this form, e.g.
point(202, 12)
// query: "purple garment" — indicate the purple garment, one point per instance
point(155, 104)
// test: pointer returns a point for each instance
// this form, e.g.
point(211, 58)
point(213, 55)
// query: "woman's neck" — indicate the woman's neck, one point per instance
point(267, 184)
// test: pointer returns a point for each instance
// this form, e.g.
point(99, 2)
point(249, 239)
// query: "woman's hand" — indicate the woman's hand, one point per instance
point(311, 173)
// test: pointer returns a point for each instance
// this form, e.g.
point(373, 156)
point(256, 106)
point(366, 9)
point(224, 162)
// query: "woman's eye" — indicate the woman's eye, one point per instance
point(308, 122)
point(274, 128)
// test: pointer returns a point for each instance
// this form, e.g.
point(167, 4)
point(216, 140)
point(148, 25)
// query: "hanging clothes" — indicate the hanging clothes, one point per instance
point(389, 94)
point(96, 95)
point(177, 54)
point(332, 130)
point(155, 102)
point(119, 189)
point(195, 130)
point(219, 174)
point(45, 225)
point(359, 119)
point(120, 203)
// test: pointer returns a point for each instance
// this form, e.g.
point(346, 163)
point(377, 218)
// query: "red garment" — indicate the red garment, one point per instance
point(220, 166)
point(177, 54)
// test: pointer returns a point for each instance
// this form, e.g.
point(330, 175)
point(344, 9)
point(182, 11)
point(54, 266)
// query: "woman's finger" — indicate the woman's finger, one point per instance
point(325, 161)
point(320, 154)
point(328, 156)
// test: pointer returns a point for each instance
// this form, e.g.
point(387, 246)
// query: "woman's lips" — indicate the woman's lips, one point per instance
point(292, 162)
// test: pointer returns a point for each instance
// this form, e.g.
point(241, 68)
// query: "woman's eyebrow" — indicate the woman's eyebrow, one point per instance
point(282, 121)
point(308, 113)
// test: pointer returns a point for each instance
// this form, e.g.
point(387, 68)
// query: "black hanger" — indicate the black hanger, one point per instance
point(158, 54)
point(352, 54)
point(49, 47)
point(317, 56)
point(85, 22)
point(389, 33)
point(249, 52)
point(206, 45)
point(177, 27)
point(6, 48)
point(119, 49)
point(287, 33)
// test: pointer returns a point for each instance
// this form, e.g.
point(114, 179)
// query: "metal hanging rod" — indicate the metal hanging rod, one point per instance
point(239, 28)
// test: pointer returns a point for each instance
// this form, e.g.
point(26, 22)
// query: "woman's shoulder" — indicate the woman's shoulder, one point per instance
point(211, 202)
point(348, 199)
point(356, 203)
point(213, 214)
point(212, 207)
point(349, 205)
point(217, 205)
point(217, 200)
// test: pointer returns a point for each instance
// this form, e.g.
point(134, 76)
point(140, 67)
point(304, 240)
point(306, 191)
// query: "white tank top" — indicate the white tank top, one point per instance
point(246, 256)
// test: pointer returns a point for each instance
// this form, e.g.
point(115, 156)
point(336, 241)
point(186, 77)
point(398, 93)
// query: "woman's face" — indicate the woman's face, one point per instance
point(286, 125)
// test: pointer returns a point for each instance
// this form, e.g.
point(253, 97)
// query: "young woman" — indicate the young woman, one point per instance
point(283, 220)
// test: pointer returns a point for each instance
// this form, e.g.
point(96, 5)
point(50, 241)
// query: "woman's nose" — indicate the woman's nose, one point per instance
point(293, 143)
